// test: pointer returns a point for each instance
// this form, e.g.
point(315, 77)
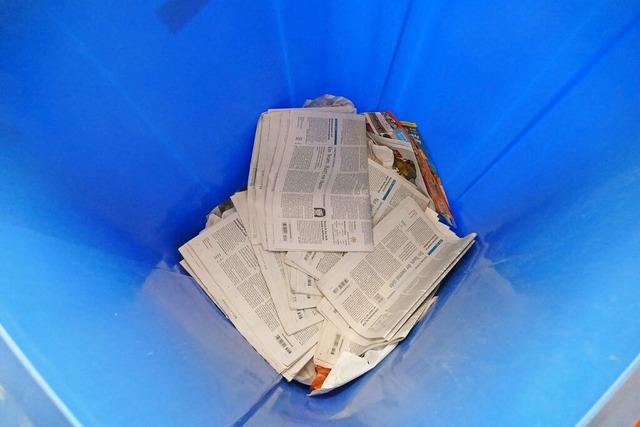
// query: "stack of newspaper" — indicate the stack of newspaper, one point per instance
point(329, 258)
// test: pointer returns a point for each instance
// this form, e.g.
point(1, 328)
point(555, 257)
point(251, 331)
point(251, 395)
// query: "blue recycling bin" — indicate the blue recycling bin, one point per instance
point(123, 123)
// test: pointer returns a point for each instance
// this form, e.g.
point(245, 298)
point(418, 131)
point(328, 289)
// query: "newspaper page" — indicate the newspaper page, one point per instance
point(340, 355)
point(278, 276)
point(272, 266)
point(315, 264)
point(292, 371)
point(334, 342)
point(224, 261)
point(251, 224)
point(386, 190)
point(303, 283)
point(320, 200)
point(375, 292)
point(272, 176)
point(239, 201)
point(303, 301)
point(270, 134)
point(332, 315)
point(336, 339)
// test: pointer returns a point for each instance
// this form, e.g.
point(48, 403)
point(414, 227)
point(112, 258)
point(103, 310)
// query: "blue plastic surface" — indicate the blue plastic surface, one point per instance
point(123, 123)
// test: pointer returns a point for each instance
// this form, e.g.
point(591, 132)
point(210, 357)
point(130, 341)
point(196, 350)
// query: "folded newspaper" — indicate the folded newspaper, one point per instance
point(329, 258)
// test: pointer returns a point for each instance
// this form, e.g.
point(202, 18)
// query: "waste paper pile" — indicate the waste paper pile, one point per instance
point(335, 249)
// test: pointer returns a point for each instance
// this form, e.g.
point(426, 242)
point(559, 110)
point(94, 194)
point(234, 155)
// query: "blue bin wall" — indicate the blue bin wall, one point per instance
point(121, 125)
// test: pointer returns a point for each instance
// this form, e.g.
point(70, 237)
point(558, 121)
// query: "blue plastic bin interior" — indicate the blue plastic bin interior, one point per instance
point(123, 123)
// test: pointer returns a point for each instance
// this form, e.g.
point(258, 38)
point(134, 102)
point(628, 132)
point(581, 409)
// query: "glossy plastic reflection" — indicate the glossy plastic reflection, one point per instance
point(122, 124)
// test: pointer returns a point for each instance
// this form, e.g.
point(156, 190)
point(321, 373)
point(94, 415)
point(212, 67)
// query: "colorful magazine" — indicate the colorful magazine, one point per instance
point(386, 124)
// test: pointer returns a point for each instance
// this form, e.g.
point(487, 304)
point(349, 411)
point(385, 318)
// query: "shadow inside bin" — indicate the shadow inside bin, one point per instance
point(175, 14)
